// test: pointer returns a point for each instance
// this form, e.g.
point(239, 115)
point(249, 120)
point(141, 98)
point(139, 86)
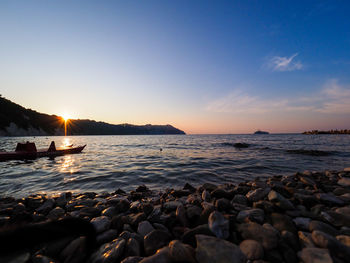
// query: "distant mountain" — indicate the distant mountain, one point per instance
point(16, 120)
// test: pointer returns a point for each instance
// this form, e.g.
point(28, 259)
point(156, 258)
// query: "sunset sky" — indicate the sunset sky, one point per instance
point(202, 66)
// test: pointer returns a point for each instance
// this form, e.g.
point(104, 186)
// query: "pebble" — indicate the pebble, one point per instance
point(215, 250)
point(162, 256)
point(46, 206)
point(75, 251)
point(101, 223)
point(273, 220)
point(337, 248)
point(267, 237)
point(155, 240)
point(280, 201)
point(255, 215)
point(345, 181)
point(181, 215)
point(144, 228)
point(315, 255)
point(134, 259)
point(252, 249)
point(180, 252)
point(133, 247)
point(302, 223)
point(106, 236)
point(219, 225)
point(110, 252)
point(318, 225)
point(56, 213)
point(257, 194)
point(305, 239)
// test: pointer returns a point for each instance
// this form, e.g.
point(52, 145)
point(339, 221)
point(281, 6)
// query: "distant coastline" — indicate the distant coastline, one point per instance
point(346, 131)
point(16, 120)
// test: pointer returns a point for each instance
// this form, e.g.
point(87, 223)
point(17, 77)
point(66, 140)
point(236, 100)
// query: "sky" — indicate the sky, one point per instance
point(202, 66)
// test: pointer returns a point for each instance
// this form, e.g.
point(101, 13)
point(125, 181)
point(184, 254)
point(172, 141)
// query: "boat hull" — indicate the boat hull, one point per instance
point(6, 156)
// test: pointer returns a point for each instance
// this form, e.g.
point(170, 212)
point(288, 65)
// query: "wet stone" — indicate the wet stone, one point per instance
point(109, 211)
point(215, 250)
point(162, 256)
point(315, 255)
point(181, 215)
point(326, 228)
point(280, 201)
point(282, 222)
point(252, 249)
point(305, 239)
point(171, 205)
point(42, 259)
point(223, 204)
point(189, 236)
point(155, 240)
point(206, 196)
point(345, 181)
point(56, 213)
point(180, 193)
point(290, 239)
point(46, 206)
point(106, 236)
point(193, 212)
point(240, 199)
point(180, 252)
point(219, 225)
point(267, 237)
point(344, 239)
point(221, 193)
point(188, 186)
point(101, 223)
point(330, 199)
point(133, 259)
point(254, 215)
point(257, 194)
point(335, 247)
point(302, 223)
point(76, 251)
point(110, 252)
point(144, 228)
point(132, 248)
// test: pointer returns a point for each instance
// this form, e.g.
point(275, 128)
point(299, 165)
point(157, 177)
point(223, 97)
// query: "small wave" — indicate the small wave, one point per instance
point(309, 152)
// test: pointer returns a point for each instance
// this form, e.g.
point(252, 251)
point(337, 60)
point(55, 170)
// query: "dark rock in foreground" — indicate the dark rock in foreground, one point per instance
point(299, 218)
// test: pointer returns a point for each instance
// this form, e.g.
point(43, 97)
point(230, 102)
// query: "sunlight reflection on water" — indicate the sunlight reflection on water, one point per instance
point(111, 162)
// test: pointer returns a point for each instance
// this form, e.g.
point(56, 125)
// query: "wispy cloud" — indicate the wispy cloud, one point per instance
point(277, 63)
point(332, 98)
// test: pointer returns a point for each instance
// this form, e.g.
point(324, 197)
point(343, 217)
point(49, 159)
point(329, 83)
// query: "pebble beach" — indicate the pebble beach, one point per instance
point(303, 217)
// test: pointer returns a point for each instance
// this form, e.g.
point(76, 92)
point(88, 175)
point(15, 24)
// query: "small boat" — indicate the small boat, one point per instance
point(28, 151)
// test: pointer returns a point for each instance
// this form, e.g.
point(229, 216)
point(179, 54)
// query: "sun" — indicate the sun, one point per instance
point(65, 117)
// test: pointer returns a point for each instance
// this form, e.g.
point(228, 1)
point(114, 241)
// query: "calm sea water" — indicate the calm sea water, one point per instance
point(112, 162)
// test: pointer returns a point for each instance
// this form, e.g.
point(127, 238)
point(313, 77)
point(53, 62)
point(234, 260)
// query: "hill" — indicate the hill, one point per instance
point(16, 120)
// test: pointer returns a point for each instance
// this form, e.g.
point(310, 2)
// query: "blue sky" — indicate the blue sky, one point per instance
point(203, 66)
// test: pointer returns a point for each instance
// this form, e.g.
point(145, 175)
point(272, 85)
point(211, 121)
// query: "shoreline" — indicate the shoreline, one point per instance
point(277, 219)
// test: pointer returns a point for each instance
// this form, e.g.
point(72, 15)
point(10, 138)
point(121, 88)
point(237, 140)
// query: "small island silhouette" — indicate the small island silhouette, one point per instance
point(261, 132)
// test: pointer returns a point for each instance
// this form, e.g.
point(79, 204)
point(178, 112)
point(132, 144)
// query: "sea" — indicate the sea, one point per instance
point(109, 163)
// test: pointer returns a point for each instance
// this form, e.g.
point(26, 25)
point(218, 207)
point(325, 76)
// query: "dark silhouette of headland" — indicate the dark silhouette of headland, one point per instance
point(16, 120)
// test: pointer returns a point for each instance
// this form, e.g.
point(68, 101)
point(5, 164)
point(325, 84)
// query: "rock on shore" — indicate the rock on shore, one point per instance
point(299, 218)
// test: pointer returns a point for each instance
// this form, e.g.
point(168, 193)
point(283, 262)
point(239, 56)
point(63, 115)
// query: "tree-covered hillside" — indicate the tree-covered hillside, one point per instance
point(16, 120)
